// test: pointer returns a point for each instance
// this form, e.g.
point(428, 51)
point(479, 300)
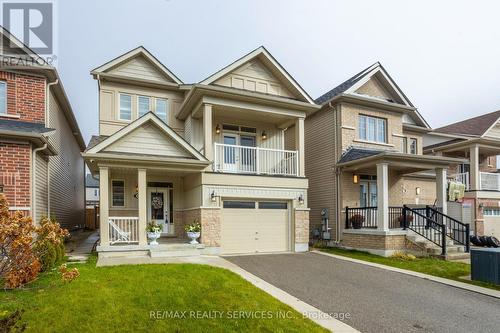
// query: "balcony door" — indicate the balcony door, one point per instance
point(368, 193)
point(239, 153)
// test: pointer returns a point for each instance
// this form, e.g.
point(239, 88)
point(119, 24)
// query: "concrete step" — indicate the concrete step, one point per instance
point(454, 256)
point(449, 249)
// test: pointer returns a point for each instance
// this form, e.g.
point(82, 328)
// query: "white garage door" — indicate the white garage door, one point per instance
point(250, 226)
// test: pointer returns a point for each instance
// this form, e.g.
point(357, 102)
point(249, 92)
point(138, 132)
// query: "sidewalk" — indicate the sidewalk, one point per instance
point(80, 246)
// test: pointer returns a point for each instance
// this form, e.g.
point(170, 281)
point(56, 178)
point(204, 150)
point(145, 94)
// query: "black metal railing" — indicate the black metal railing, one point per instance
point(417, 220)
point(361, 217)
point(395, 217)
point(456, 230)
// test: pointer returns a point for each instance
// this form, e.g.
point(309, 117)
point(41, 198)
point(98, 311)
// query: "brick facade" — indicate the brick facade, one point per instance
point(15, 173)
point(375, 242)
point(25, 96)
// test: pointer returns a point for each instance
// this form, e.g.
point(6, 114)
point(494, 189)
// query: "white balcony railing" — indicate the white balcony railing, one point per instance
point(123, 230)
point(253, 160)
point(463, 178)
point(489, 181)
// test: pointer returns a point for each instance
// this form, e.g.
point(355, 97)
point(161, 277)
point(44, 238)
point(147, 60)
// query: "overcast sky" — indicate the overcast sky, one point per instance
point(445, 55)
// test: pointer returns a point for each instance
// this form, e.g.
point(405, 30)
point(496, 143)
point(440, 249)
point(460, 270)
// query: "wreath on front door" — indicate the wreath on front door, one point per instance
point(157, 202)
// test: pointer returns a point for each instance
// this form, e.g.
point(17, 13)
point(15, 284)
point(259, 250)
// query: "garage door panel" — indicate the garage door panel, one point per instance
point(238, 230)
point(272, 230)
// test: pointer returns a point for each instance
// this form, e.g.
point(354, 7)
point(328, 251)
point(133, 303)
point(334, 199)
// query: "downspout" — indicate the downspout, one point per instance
point(337, 175)
point(47, 124)
point(33, 178)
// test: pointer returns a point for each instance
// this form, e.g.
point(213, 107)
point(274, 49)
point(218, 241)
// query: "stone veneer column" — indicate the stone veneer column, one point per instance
point(210, 226)
point(301, 223)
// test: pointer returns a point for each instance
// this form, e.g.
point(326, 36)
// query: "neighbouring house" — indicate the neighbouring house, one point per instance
point(91, 190)
point(365, 161)
point(477, 140)
point(227, 152)
point(41, 169)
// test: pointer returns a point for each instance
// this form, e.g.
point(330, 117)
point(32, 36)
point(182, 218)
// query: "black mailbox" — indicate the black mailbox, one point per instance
point(485, 265)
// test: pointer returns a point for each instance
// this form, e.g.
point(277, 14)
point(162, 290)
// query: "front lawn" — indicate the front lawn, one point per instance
point(125, 298)
point(432, 266)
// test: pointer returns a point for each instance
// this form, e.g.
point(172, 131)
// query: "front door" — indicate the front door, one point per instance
point(368, 194)
point(158, 205)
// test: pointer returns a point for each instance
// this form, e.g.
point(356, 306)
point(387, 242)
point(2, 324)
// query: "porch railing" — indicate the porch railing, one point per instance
point(123, 230)
point(366, 217)
point(420, 222)
point(254, 160)
point(463, 178)
point(489, 181)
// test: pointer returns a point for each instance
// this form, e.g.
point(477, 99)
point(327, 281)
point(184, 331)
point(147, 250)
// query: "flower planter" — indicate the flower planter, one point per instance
point(153, 236)
point(193, 236)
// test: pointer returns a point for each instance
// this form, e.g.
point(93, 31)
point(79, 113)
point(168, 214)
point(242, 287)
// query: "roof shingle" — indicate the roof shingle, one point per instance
point(23, 126)
point(475, 126)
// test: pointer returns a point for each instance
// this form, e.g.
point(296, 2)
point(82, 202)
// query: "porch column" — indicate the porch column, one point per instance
point(207, 131)
point(474, 168)
point(299, 145)
point(104, 205)
point(383, 196)
point(441, 189)
point(143, 205)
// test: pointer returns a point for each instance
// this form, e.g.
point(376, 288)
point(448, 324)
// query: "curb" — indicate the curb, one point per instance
point(452, 283)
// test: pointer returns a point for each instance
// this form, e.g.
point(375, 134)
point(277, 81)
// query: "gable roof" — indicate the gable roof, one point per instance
point(101, 144)
point(137, 52)
point(352, 84)
point(263, 54)
point(476, 126)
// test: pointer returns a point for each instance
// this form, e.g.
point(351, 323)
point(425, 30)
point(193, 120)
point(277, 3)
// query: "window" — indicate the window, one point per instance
point(162, 109)
point(273, 205)
point(491, 211)
point(3, 97)
point(404, 145)
point(143, 106)
point(239, 204)
point(372, 129)
point(96, 193)
point(125, 107)
point(118, 193)
point(413, 146)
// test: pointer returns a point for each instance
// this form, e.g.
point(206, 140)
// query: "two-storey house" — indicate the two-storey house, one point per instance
point(477, 140)
point(364, 162)
point(227, 152)
point(41, 168)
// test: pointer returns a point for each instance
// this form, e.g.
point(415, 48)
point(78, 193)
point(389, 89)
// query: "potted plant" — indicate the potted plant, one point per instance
point(193, 231)
point(401, 219)
point(357, 221)
point(153, 231)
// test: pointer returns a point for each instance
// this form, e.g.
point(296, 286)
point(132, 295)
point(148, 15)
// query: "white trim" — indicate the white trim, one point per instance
point(389, 232)
point(19, 208)
point(348, 127)
point(374, 142)
point(150, 116)
point(6, 115)
point(398, 135)
point(489, 128)
point(133, 54)
point(260, 51)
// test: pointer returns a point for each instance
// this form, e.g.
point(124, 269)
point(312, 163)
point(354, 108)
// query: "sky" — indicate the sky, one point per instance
point(444, 55)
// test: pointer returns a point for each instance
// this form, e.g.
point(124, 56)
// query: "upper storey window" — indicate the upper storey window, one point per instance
point(143, 106)
point(125, 107)
point(162, 109)
point(413, 146)
point(372, 129)
point(3, 97)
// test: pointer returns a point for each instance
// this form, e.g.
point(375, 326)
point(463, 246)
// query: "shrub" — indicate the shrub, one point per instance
point(47, 254)
point(68, 275)
point(61, 253)
point(357, 221)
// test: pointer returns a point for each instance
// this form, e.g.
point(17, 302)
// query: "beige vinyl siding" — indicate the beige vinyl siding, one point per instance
point(494, 132)
point(289, 138)
point(140, 68)
point(320, 160)
point(148, 139)
point(41, 187)
point(66, 172)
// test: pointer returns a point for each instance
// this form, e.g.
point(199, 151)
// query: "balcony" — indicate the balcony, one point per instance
point(254, 160)
point(488, 181)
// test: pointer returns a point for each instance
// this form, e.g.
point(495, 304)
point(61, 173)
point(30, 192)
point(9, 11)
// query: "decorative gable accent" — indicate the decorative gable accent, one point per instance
point(374, 88)
point(148, 140)
point(140, 68)
point(258, 71)
point(150, 136)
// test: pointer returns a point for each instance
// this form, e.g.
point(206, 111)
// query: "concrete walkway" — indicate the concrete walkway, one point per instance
point(376, 299)
point(79, 248)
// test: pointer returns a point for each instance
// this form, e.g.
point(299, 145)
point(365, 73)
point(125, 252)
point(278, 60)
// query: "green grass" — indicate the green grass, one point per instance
point(121, 299)
point(432, 266)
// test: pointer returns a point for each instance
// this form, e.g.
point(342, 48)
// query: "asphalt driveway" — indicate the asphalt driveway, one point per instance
point(377, 300)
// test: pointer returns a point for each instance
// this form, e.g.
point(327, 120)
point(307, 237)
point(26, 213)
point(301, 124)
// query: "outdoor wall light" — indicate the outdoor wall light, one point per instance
point(264, 135)
point(136, 194)
point(355, 178)
point(301, 199)
point(213, 197)
point(217, 129)
point(417, 190)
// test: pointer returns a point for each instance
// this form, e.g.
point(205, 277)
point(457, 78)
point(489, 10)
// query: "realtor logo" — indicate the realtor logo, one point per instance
point(31, 23)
